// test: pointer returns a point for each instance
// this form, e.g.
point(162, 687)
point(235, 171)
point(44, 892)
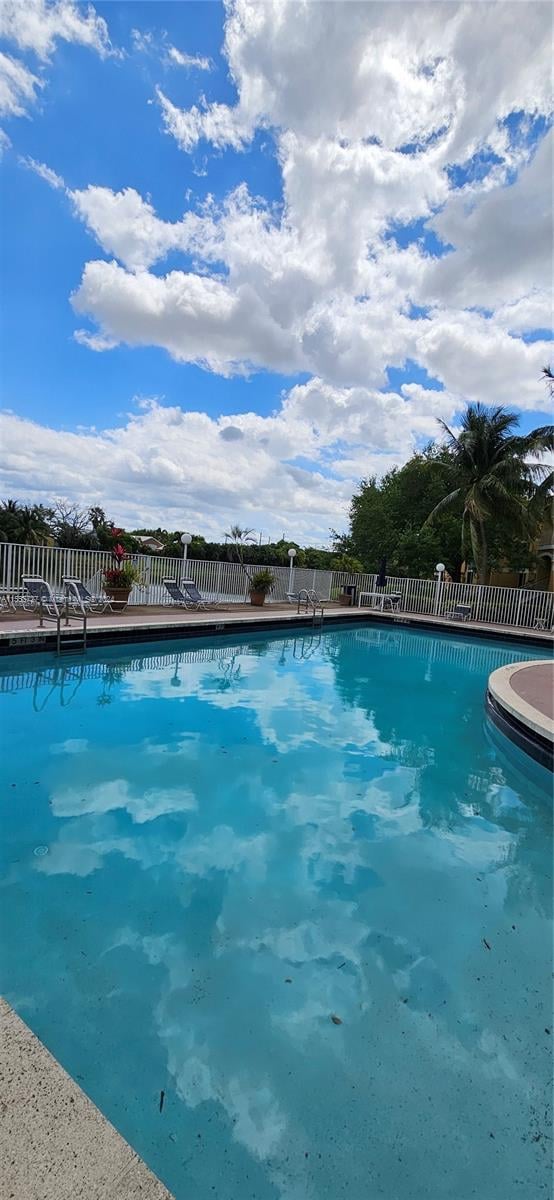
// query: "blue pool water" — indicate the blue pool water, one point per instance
point(209, 852)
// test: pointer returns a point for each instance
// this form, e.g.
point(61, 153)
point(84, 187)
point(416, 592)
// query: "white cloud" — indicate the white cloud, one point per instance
point(50, 177)
point(474, 356)
point(18, 86)
point(196, 318)
point(142, 40)
point(166, 465)
point(398, 73)
point(190, 61)
point(126, 225)
point(533, 311)
point(36, 25)
point(316, 284)
point(218, 123)
point(94, 341)
point(501, 240)
point(324, 281)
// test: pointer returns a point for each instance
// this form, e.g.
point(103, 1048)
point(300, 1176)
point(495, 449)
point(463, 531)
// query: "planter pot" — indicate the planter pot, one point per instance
point(257, 599)
point(119, 597)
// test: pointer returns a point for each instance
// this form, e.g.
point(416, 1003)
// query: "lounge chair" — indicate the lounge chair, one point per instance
point(392, 601)
point(195, 599)
point(40, 597)
point(177, 595)
point(542, 623)
point(81, 599)
point(186, 595)
point(460, 612)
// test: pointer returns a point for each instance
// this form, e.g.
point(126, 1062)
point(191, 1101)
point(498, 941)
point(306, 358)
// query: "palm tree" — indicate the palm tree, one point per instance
point(240, 538)
point(32, 529)
point(499, 475)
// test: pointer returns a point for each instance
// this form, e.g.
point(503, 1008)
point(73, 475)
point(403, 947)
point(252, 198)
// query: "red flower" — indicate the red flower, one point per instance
point(118, 552)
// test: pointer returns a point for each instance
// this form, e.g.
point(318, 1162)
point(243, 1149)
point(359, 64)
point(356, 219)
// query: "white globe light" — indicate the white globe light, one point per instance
point(292, 552)
point(440, 567)
point(186, 539)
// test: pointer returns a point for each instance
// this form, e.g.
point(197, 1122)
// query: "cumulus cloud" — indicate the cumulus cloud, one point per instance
point(386, 249)
point(166, 465)
point(197, 318)
point(325, 283)
point(500, 239)
point(127, 226)
point(396, 73)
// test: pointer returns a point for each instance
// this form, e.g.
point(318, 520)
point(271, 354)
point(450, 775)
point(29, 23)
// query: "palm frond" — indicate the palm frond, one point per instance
point(538, 441)
point(446, 500)
point(452, 440)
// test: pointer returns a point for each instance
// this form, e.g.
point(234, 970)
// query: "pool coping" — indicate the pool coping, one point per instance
point(124, 631)
point(530, 728)
point(56, 1144)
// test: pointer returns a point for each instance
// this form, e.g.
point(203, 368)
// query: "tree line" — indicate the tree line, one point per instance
point(478, 496)
point(63, 523)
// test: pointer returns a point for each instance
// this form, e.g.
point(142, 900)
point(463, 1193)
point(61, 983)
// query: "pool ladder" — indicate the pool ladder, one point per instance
point(306, 602)
point(71, 645)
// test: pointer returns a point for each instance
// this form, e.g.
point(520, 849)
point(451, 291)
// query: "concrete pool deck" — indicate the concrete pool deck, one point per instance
point(20, 632)
point(55, 1144)
point(521, 703)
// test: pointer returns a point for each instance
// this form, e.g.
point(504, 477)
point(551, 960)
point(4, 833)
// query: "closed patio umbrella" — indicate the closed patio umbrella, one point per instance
point(381, 580)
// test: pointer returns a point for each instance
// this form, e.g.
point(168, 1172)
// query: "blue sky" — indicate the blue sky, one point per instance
point(252, 253)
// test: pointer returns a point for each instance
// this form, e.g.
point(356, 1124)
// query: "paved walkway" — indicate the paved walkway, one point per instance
point(535, 685)
point(227, 616)
point(55, 1144)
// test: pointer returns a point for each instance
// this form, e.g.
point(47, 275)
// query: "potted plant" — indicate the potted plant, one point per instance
point(118, 584)
point(261, 584)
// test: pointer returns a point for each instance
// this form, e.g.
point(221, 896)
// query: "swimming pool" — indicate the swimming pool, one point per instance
point(296, 885)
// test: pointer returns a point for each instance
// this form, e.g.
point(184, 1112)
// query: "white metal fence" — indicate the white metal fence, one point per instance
point(226, 581)
point(520, 607)
point(215, 580)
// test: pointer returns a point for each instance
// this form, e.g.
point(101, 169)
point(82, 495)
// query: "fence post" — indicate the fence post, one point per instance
point(440, 570)
point(8, 580)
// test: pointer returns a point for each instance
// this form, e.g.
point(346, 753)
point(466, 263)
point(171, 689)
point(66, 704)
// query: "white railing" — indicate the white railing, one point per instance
point(519, 607)
point(226, 581)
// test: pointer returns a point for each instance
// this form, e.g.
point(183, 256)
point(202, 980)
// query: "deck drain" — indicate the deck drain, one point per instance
point(40, 851)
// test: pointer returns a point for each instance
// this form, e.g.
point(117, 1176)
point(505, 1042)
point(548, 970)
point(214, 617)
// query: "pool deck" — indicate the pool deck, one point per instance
point(55, 1144)
point(527, 692)
point(520, 701)
point(20, 632)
